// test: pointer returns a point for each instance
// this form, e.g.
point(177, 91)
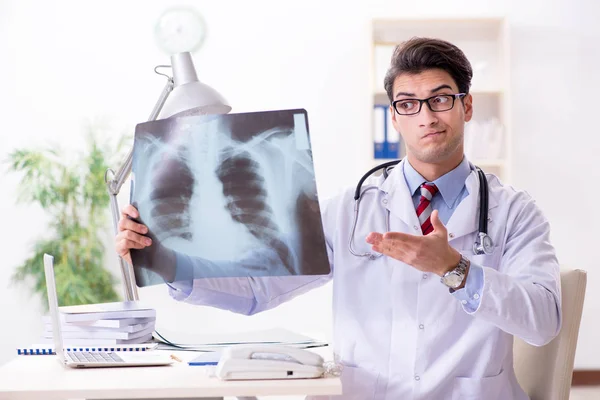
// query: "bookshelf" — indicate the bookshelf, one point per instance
point(485, 42)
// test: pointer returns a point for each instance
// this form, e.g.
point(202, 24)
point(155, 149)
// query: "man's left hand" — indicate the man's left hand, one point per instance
point(430, 253)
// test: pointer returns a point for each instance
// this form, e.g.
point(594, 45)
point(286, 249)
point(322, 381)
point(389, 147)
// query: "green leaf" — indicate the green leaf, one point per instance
point(76, 199)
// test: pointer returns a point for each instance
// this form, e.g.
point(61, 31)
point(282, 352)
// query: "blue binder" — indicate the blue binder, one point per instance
point(392, 137)
point(379, 131)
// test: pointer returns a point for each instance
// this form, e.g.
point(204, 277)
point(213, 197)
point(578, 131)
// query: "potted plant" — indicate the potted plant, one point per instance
point(74, 195)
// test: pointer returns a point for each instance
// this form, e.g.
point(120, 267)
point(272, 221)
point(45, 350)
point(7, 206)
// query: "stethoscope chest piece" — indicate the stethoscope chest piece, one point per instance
point(483, 244)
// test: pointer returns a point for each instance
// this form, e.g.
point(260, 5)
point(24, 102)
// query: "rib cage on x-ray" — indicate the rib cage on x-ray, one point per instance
point(263, 182)
point(247, 200)
point(172, 191)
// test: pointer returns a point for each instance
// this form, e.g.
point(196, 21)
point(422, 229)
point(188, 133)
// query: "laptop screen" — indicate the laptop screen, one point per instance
point(53, 304)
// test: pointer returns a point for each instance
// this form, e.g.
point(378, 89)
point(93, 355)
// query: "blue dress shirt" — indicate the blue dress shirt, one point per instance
point(451, 191)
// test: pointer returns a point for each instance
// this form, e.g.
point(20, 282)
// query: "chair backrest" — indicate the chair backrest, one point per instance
point(545, 372)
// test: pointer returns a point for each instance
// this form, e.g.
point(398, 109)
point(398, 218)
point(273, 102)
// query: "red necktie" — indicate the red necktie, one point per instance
point(428, 190)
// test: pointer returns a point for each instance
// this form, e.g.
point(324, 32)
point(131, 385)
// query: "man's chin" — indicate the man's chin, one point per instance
point(434, 157)
point(436, 154)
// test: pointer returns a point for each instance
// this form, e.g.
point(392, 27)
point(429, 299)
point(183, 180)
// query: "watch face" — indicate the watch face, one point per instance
point(453, 280)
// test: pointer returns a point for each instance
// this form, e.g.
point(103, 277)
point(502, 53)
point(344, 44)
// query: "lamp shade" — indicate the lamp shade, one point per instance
point(189, 95)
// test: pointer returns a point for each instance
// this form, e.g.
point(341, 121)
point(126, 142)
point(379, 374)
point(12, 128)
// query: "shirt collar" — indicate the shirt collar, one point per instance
point(450, 184)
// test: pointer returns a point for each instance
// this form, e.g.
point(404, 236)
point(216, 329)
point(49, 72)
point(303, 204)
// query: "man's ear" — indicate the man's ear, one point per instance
point(468, 104)
point(394, 119)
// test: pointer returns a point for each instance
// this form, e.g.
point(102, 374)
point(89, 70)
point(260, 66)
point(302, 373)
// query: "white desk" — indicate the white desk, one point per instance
point(43, 377)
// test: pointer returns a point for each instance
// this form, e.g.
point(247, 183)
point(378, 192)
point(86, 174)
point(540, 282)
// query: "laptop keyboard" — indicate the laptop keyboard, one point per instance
point(93, 357)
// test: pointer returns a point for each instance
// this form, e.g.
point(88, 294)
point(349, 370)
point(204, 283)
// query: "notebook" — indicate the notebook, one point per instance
point(206, 358)
point(116, 310)
point(101, 323)
point(104, 335)
point(86, 329)
point(48, 349)
point(99, 342)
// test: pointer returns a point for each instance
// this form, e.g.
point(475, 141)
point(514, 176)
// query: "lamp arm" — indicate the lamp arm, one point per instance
point(114, 182)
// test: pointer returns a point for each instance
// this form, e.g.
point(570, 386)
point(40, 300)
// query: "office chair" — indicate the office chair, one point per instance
point(545, 372)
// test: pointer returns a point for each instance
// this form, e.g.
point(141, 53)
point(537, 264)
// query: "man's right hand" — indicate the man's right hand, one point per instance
point(131, 234)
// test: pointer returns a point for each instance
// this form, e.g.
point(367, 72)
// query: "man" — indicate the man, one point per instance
point(400, 330)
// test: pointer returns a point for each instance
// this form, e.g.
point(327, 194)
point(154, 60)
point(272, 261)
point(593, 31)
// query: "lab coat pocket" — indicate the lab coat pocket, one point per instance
point(487, 388)
point(357, 384)
point(484, 260)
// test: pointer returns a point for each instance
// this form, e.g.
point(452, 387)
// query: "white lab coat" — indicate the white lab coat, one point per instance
point(399, 332)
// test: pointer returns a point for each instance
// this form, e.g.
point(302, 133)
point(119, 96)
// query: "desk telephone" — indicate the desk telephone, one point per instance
point(268, 362)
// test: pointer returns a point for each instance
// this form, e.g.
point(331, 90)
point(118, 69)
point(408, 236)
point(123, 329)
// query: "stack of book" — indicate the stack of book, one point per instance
point(103, 324)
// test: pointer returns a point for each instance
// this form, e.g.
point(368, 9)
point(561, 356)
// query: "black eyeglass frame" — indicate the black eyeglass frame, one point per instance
point(454, 96)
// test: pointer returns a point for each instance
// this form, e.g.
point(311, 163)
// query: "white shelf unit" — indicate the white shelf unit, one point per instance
point(485, 42)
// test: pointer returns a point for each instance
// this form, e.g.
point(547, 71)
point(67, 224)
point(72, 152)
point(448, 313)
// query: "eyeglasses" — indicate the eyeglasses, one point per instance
point(437, 103)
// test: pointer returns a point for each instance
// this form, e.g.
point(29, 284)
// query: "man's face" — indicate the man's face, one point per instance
point(431, 137)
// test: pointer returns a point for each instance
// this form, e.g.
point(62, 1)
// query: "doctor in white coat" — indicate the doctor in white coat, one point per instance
point(428, 319)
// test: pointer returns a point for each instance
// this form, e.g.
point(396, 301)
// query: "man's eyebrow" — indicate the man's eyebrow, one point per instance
point(405, 94)
point(444, 86)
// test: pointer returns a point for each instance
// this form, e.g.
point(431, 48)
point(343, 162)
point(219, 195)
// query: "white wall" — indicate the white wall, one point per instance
point(65, 62)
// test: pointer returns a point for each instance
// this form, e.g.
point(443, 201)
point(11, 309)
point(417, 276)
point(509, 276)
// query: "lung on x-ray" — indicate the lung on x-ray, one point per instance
point(229, 195)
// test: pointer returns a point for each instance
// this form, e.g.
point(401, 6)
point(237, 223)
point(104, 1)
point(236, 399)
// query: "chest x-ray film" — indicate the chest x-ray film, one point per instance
point(229, 195)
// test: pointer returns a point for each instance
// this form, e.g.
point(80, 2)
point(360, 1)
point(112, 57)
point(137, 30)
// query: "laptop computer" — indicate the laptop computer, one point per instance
point(85, 359)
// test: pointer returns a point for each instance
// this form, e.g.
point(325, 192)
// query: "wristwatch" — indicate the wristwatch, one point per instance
point(455, 277)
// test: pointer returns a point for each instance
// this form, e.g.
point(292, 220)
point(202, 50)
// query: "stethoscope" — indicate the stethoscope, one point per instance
point(483, 242)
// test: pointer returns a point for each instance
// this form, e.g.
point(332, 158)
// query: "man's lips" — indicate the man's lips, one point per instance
point(434, 133)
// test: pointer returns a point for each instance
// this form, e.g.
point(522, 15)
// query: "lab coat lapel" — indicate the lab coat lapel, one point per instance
point(465, 219)
point(398, 199)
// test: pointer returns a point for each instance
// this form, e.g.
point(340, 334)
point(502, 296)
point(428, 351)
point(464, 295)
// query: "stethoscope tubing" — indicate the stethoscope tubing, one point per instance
point(483, 243)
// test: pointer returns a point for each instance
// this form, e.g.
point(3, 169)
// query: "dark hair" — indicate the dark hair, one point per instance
point(419, 54)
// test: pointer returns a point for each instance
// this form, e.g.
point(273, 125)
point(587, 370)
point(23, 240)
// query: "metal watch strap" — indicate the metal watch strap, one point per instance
point(459, 270)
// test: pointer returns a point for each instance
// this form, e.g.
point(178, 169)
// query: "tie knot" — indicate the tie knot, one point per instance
point(428, 190)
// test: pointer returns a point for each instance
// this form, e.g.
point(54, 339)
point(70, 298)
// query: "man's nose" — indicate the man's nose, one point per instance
point(427, 117)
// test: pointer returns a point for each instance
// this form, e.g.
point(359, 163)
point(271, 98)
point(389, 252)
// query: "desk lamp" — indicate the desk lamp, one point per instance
point(184, 94)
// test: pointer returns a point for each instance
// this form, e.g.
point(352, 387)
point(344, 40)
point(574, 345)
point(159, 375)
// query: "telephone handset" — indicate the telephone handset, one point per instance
point(268, 362)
